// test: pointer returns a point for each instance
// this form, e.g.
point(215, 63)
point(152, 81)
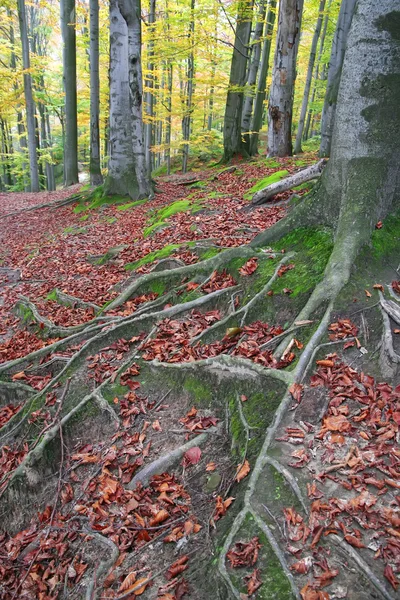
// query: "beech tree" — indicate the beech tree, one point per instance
point(29, 102)
point(233, 143)
point(347, 8)
point(67, 10)
point(310, 69)
point(96, 177)
point(280, 108)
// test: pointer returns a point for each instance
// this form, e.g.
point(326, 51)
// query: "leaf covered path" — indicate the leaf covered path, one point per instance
point(187, 429)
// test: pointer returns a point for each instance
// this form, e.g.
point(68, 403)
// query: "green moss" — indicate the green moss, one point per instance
point(93, 199)
point(152, 256)
point(271, 163)
point(212, 195)
point(189, 296)
point(74, 230)
point(158, 287)
point(201, 393)
point(277, 176)
point(131, 204)
point(313, 248)
point(149, 230)
point(386, 241)
point(210, 253)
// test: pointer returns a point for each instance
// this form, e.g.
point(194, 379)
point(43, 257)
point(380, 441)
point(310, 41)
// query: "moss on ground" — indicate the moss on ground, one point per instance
point(93, 199)
point(152, 256)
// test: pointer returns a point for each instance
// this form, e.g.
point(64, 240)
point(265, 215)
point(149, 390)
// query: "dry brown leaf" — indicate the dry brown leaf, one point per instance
point(242, 471)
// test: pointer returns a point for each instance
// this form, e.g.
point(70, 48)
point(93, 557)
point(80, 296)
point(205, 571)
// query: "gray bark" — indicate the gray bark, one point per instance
point(67, 10)
point(121, 177)
point(130, 11)
point(347, 9)
point(29, 102)
point(187, 115)
point(252, 75)
point(256, 123)
point(234, 102)
point(307, 87)
point(283, 78)
point(316, 71)
point(96, 177)
point(168, 120)
point(149, 98)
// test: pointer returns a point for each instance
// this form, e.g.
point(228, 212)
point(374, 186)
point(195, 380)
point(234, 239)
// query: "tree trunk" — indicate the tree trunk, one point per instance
point(252, 75)
point(187, 116)
point(30, 105)
point(121, 178)
point(67, 10)
point(262, 79)
point(130, 11)
point(360, 185)
point(149, 98)
point(346, 13)
point(96, 177)
point(316, 72)
point(283, 78)
point(167, 155)
point(311, 62)
point(234, 102)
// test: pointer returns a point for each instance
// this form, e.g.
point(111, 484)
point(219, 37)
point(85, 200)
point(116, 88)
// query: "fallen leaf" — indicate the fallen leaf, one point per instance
point(192, 456)
point(242, 471)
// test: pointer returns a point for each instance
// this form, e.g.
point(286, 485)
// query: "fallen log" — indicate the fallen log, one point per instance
point(290, 182)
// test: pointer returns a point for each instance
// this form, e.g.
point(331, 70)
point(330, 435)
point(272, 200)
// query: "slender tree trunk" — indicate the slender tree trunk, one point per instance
point(283, 78)
point(211, 97)
point(316, 71)
point(30, 105)
point(346, 13)
point(149, 97)
point(307, 87)
point(7, 177)
point(187, 116)
point(51, 180)
point(234, 101)
point(252, 75)
point(256, 123)
point(67, 9)
point(96, 177)
point(169, 118)
point(130, 10)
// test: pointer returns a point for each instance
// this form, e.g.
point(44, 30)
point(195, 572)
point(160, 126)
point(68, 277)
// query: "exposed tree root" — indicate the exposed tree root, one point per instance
point(166, 462)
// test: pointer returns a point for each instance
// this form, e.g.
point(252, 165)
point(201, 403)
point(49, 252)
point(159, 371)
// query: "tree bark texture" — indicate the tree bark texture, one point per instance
point(252, 75)
point(149, 98)
point(310, 69)
point(29, 102)
point(67, 8)
point(256, 123)
point(280, 108)
point(234, 102)
point(96, 177)
point(346, 13)
point(131, 12)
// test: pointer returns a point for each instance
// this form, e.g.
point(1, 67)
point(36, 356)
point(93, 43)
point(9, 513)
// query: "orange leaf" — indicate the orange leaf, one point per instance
point(160, 517)
point(242, 471)
point(368, 294)
point(17, 376)
point(211, 466)
point(128, 581)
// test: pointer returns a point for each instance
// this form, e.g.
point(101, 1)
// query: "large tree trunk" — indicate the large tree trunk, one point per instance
point(256, 123)
point(149, 98)
point(283, 78)
point(67, 9)
point(30, 105)
point(130, 10)
point(96, 177)
point(252, 75)
point(335, 68)
point(307, 87)
point(361, 184)
point(234, 102)
point(121, 178)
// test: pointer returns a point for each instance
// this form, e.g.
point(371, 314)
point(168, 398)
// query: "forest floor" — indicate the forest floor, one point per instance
point(142, 493)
